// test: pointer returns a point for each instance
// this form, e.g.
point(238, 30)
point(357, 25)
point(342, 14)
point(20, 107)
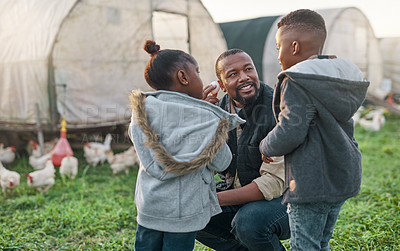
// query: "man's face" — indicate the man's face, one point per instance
point(239, 78)
point(284, 44)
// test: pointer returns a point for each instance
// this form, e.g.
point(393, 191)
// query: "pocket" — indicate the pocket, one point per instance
point(206, 175)
point(192, 189)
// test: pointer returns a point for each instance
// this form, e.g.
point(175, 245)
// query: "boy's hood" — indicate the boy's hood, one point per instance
point(336, 83)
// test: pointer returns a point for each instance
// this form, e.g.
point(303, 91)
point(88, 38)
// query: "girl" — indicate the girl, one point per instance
point(180, 141)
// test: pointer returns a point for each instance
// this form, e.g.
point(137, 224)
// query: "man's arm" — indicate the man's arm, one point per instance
point(266, 187)
point(241, 195)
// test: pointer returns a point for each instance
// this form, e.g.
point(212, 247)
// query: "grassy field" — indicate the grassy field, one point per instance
point(96, 211)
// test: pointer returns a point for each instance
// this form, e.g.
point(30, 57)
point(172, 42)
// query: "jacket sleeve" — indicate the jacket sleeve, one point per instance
point(221, 160)
point(272, 179)
point(296, 113)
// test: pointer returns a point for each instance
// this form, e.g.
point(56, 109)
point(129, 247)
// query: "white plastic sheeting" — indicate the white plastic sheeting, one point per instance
point(28, 30)
point(90, 53)
point(390, 48)
point(349, 36)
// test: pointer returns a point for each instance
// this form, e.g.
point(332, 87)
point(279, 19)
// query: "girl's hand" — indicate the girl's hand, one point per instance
point(210, 93)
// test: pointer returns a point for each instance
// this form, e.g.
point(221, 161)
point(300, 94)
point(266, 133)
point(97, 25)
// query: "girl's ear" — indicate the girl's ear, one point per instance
point(295, 48)
point(183, 78)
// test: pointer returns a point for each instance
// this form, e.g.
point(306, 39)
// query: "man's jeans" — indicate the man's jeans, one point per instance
point(312, 224)
point(255, 226)
point(152, 240)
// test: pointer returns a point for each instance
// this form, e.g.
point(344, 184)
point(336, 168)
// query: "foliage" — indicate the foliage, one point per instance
point(96, 211)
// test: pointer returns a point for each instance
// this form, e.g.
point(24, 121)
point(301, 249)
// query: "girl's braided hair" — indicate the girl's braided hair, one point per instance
point(160, 69)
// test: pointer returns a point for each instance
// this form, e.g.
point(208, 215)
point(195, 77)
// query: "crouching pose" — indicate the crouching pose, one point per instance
point(253, 217)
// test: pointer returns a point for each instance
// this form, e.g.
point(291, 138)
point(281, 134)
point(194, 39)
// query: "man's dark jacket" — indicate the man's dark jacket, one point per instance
point(259, 118)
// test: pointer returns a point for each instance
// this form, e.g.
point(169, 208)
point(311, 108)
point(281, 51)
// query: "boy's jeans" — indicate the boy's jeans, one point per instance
point(153, 240)
point(311, 224)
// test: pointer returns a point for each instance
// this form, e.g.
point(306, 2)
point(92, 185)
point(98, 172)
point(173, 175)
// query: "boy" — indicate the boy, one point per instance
point(314, 101)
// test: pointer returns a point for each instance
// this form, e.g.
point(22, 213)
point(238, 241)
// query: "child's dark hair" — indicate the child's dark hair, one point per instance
point(304, 20)
point(160, 70)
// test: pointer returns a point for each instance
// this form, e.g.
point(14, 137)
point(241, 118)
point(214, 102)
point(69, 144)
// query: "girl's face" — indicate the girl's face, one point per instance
point(195, 86)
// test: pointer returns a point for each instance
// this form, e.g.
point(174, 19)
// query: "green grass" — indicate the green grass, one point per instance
point(96, 211)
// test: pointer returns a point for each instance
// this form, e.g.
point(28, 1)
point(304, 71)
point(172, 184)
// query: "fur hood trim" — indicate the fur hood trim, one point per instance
point(137, 99)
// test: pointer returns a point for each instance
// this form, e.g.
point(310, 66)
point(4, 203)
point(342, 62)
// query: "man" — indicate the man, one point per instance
point(253, 216)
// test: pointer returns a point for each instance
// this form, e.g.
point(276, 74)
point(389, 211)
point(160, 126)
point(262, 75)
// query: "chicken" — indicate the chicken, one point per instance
point(122, 161)
point(94, 152)
point(39, 162)
point(7, 155)
point(374, 120)
point(93, 156)
point(106, 145)
point(34, 149)
point(357, 115)
point(69, 167)
point(42, 179)
point(8, 180)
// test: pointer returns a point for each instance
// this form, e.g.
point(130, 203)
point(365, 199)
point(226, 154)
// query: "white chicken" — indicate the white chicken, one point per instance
point(94, 152)
point(39, 162)
point(42, 179)
point(93, 156)
point(69, 167)
point(374, 120)
point(122, 161)
point(8, 180)
point(106, 145)
point(7, 154)
point(34, 148)
point(357, 115)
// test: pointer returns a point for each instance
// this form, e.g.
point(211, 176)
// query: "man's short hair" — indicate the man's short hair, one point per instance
point(304, 20)
point(222, 56)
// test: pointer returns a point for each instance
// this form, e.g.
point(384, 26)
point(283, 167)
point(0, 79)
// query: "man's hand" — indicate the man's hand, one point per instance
point(208, 96)
point(266, 159)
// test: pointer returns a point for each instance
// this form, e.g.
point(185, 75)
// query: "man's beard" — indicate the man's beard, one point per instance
point(249, 100)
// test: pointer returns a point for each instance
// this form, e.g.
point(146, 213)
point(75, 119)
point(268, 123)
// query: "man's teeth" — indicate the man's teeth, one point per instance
point(245, 87)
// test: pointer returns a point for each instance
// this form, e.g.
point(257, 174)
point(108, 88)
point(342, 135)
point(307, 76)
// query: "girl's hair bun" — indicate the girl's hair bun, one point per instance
point(151, 47)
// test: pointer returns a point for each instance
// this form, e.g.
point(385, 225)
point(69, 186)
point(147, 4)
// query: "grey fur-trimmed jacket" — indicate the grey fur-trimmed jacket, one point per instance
point(180, 142)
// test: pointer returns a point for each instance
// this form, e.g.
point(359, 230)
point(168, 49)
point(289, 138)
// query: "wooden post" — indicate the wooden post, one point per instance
point(39, 129)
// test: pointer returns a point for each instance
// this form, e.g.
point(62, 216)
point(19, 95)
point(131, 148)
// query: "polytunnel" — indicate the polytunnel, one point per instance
point(390, 48)
point(81, 58)
point(349, 36)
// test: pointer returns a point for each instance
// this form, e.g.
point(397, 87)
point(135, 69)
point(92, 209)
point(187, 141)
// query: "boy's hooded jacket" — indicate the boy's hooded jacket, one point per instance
point(180, 142)
point(314, 102)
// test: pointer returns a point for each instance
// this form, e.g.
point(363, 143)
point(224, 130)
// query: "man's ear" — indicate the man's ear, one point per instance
point(295, 47)
point(183, 78)
point(221, 85)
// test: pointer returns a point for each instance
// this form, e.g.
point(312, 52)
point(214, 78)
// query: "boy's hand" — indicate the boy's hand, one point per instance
point(266, 159)
point(208, 90)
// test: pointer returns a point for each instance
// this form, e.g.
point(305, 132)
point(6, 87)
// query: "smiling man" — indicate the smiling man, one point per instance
point(253, 217)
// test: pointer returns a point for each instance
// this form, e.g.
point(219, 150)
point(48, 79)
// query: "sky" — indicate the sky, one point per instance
point(383, 15)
